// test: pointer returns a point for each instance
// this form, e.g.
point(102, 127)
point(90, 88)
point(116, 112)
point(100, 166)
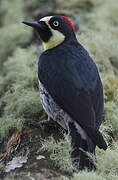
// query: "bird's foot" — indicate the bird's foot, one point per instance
point(45, 121)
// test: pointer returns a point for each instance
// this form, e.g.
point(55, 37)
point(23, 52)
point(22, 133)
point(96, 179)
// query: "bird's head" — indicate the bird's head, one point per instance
point(53, 30)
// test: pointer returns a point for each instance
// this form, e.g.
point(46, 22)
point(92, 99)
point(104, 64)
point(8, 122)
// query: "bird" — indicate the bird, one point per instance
point(70, 87)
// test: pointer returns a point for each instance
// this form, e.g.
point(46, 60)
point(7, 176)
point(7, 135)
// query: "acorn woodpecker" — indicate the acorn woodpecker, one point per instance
point(71, 91)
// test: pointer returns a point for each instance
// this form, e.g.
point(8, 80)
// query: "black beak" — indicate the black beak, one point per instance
point(34, 24)
point(41, 27)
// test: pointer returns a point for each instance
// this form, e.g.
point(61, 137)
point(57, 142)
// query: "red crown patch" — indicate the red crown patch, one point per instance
point(69, 22)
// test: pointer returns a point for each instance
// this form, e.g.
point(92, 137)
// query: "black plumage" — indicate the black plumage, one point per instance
point(71, 80)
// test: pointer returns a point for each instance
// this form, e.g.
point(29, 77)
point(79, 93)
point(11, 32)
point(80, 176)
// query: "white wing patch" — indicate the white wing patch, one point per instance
point(56, 113)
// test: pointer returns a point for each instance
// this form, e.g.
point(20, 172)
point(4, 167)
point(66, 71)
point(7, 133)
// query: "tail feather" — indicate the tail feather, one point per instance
point(96, 137)
point(81, 160)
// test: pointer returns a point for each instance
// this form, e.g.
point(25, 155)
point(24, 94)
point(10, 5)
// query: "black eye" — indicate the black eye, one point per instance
point(56, 23)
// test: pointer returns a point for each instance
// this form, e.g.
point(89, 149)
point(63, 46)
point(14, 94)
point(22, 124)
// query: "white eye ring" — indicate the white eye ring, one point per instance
point(56, 23)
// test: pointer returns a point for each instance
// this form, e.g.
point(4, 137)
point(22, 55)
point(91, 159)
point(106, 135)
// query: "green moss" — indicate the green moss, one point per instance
point(107, 162)
point(8, 123)
point(22, 102)
point(20, 96)
point(12, 32)
point(88, 176)
point(83, 176)
point(1, 84)
point(21, 176)
point(108, 13)
point(110, 83)
point(59, 152)
point(12, 36)
point(21, 68)
point(107, 167)
point(12, 11)
point(101, 50)
point(111, 116)
point(71, 6)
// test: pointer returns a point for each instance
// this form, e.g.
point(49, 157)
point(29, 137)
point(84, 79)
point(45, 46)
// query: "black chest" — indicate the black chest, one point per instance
point(63, 63)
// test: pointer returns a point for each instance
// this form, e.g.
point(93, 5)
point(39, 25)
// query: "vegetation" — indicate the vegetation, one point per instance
point(19, 96)
point(59, 152)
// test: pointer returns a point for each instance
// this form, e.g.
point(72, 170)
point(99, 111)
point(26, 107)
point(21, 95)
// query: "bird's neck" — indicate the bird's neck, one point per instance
point(54, 41)
point(51, 44)
point(58, 40)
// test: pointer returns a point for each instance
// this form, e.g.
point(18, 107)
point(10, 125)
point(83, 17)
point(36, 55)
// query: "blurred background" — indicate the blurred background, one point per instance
point(28, 149)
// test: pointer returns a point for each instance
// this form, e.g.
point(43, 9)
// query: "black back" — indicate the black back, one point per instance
point(72, 79)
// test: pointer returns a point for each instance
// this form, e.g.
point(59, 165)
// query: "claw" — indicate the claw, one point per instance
point(44, 121)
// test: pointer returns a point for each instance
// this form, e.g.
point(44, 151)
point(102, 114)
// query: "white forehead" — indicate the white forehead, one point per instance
point(46, 19)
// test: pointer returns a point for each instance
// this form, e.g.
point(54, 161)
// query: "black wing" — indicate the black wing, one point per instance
point(69, 91)
point(77, 103)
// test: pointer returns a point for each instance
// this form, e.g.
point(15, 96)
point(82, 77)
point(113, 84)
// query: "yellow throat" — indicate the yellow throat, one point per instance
point(56, 39)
